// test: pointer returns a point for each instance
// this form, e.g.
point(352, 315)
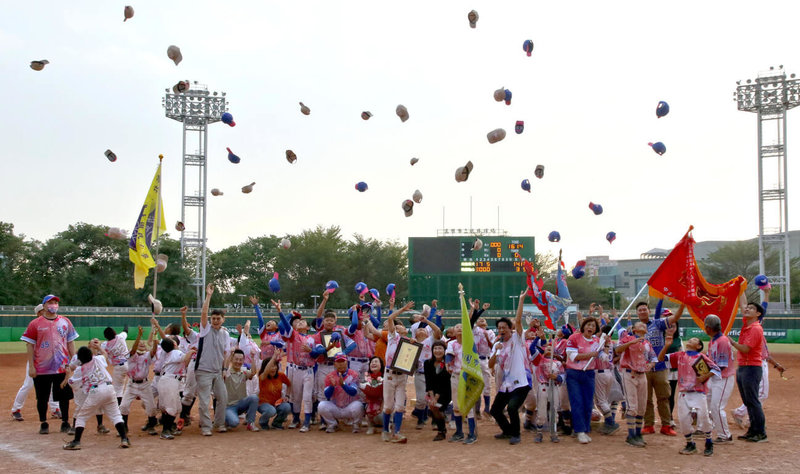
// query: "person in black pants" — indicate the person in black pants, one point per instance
point(515, 386)
point(437, 387)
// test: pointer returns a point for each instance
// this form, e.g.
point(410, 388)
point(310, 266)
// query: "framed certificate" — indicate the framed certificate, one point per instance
point(326, 340)
point(701, 367)
point(406, 357)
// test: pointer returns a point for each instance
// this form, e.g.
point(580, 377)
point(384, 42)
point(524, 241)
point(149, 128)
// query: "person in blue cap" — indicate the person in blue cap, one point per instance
point(50, 346)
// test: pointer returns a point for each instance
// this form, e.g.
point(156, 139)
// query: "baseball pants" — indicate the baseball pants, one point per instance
point(119, 375)
point(138, 391)
point(721, 390)
point(319, 380)
point(602, 389)
point(487, 377)
point(169, 398)
point(419, 388)
point(360, 366)
point(206, 383)
point(635, 384)
point(103, 399)
point(189, 386)
point(394, 392)
point(333, 413)
point(693, 401)
point(302, 390)
point(541, 401)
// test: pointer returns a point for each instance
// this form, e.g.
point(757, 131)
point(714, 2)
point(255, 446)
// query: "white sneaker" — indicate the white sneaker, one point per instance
point(371, 430)
point(252, 427)
point(583, 438)
point(293, 425)
point(304, 429)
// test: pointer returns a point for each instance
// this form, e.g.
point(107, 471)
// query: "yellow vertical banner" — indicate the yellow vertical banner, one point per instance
point(147, 231)
point(470, 385)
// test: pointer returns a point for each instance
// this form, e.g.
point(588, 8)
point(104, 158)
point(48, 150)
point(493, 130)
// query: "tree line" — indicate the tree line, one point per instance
point(86, 268)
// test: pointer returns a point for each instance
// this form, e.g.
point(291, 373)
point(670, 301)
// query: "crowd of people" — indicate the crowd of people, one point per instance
point(601, 370)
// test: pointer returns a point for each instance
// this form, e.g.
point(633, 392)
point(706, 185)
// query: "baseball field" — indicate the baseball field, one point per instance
point(238, 450)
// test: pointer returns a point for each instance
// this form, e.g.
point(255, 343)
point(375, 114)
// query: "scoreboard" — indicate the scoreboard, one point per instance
point(498, 255)
point(437, 264)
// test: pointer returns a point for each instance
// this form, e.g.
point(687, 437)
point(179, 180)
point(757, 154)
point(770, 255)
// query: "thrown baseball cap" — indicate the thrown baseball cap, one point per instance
point(232, 157)
point(500, 94)
point(414, 161)
point(174, 53)
point(39, 307)
point(180, 87)
point(127, 13)
point(227, 119)
point(39, 65)
point(596, 208)
point(527, 46)
point(526, 185)
point(50, 297)
point(361, 186)
point(341, 356)
point(402, 112)
point(417, 197)
point(366, 115)
point(304, 109)
point(112, 157)
point(477, 245)
point(274, 284)
point(658, 147)
point(155, 305)
point(290, 156)
point(662, 109)
point(408, 207)
point(554, 236)
point(496, 135)
point(375, 294)
point(611, 237)
point(519, 126)
point(463, 172)
point(539, 171)
point(507, 96)
point(473, 18)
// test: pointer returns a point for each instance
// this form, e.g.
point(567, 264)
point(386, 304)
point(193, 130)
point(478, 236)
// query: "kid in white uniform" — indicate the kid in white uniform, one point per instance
point(139, 361)
point(96, 383)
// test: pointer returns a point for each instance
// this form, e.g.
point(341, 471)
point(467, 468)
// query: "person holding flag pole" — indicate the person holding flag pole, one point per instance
point(515, 385)
point(466, 381)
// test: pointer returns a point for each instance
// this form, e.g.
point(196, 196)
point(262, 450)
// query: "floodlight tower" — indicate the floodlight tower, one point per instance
point(196, 108)
point(771, 95)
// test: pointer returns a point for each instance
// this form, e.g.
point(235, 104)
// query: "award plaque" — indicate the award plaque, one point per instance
point(326, 340)
point(406, 356)
point(701, 367)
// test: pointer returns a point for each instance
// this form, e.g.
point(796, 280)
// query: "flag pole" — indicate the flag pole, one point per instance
point(157, 226)
point(616, 323)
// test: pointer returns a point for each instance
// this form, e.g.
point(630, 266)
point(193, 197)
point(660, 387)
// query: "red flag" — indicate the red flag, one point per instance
point(680, 280)
point(537, 293)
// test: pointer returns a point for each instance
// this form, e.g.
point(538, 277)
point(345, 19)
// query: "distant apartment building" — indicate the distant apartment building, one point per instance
point(629, 276)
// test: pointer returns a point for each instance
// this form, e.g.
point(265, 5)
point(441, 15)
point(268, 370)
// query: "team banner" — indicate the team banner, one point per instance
point(146, 232)
point(470, 385)
point(679, 279)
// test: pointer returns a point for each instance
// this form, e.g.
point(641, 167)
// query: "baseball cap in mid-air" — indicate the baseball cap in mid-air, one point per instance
point(49, 298)
point(519, 126)
point(539, 171)
point(473, 18)
point(290, 156)
point(500, 94)
point(408, 207)
point(402, 112)
point(417, 197)
point(496, 135)
point(174, 53)
point(463, 172)
point(365, 115)
point(304, 109)
point(477, 245)
point(414, 161)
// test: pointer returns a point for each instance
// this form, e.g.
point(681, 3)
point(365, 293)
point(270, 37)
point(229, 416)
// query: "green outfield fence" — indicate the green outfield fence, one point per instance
point(90, 322)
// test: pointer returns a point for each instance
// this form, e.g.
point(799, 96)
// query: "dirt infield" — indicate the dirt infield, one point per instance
point(21, 448)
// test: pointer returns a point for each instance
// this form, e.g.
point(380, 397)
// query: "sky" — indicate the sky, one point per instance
point(587, 96)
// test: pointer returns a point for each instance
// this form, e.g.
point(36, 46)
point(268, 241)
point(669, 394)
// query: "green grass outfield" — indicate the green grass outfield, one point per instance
point(19, 347)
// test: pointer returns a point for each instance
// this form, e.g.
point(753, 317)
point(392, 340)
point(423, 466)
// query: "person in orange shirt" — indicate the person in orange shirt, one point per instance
point(270, 384)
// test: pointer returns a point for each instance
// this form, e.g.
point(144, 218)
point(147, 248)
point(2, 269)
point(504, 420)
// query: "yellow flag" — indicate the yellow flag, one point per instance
point(146, 232)
point(470, 384)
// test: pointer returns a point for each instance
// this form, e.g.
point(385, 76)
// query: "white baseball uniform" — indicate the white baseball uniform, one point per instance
point(138, 385)
point(117, 350)
point(100, 395)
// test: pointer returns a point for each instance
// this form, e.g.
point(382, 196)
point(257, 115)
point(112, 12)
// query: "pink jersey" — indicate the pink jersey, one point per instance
point(545, 367)
point(268, 349)
point(560, 348)
point(454, 349)
point(139, 366)
point(687, 378)
point(362, 349)
point(49, 338)
point(481, 344)
point(392, 340)
point(578, 344)
point(606, 358)
point(294, 349)
point(719, 350)
point(340, 397)
point(94, 373)
point(117, 349)
point(637, 355)
point(173, 363)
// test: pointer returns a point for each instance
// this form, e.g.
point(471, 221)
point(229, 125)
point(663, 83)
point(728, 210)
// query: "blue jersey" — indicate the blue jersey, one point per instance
point(655, 335)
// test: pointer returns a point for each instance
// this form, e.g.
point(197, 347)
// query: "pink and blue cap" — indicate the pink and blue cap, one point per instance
point(361, 288)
